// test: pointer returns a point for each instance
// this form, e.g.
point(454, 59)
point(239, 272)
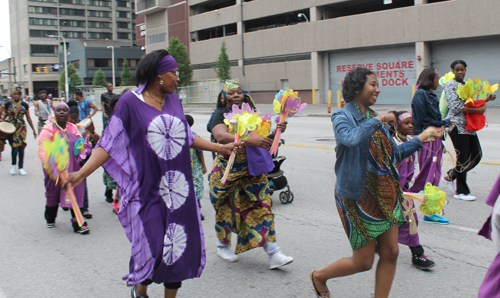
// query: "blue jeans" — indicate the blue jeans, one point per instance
point(18, 151)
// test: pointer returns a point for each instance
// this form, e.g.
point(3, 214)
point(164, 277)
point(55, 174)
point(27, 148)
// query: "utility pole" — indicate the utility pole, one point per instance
point(113, 63)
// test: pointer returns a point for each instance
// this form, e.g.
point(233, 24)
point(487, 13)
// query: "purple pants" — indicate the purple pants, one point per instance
point(430, 162)
point(490, 288)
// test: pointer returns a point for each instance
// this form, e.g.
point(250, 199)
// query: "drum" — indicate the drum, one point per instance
point(6, 131)
point(87, 124)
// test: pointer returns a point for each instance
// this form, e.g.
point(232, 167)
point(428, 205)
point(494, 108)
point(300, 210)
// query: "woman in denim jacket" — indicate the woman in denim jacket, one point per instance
point(367, 192)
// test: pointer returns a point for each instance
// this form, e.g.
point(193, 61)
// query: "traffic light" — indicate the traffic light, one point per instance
point(45, 69)
point(37, 70)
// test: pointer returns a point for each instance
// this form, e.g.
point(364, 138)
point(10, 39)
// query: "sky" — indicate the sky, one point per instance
point(4, 29)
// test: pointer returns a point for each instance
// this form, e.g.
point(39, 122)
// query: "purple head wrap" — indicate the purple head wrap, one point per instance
point(166, 64)
point(62, 103)
point(402, 118)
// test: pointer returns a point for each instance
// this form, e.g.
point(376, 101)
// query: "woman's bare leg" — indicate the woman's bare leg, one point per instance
point(361, 260)
point(388, 251)
point(141, 290)
point(170, 293)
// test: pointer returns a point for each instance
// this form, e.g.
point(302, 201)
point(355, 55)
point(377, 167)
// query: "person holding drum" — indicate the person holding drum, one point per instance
point(15, 113)
point(43, 109)
point(145, 148)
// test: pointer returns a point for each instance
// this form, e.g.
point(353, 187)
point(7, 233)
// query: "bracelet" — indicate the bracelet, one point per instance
point(220, 145)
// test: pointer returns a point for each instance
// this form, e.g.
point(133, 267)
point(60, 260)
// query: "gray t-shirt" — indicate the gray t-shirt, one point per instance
point(44, 109)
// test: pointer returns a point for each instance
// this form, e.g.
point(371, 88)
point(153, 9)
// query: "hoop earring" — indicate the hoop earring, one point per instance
point(161, 82)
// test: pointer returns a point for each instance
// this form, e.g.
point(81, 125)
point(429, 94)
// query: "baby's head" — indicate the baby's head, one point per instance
point(190, 120)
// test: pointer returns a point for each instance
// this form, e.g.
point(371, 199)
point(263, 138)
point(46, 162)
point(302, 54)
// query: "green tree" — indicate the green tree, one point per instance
point(126, 75)
point(222, 67)
point(99, 78)
point(177, 49)
point(74, 78)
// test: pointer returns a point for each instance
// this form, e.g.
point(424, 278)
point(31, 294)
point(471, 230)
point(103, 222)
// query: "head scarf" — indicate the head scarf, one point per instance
point(233, 84)
point(402, 118)
point(165, 65)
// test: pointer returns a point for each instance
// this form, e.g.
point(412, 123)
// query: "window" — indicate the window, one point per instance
point(122, 35)
point(73, 34)
point(99, 14)
point(93, 24)
point(25, 68)
point(157, 38)
point(72, 12)
point(123, 25)
point(76, 64)
point(81, 2)
point(99, 3)
point(123, 14)
point(100, 35)
point(123, 4)
point(98, 62)
point(131, 62)
point(43, 49)
point(46, 1)
point(42, 33)
point(44, 22)
point(69, 23)
point(39, 9)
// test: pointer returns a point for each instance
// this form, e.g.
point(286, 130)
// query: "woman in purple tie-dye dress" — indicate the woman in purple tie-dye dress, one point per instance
point(145, 148)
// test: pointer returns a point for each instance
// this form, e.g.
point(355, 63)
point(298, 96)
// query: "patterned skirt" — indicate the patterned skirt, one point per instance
point(367, 219)
point(242, 205)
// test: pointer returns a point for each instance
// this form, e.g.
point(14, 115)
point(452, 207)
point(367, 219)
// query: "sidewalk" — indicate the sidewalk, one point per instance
point(321, 110)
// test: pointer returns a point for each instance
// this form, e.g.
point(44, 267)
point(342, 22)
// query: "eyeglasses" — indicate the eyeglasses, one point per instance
point(175, 72)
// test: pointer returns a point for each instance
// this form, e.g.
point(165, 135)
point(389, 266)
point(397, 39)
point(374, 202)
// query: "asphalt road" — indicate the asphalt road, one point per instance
point(39, 262)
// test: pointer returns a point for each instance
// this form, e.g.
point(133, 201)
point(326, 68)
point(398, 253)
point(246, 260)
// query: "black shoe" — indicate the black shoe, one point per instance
point(81, 230)
point(109, 196)
point(202, 217)
point(421, 262)
point(65, 208)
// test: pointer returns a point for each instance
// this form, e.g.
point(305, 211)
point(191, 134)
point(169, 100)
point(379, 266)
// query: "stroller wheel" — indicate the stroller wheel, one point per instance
point(284, 197)
point(290, 197)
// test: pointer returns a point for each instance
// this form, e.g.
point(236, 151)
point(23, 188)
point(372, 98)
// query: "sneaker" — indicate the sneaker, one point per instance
point(51, 225)
point(227, 254)
point(436, 219)
point(0, 156)
point(421, 262)
point(450, 184)
point(13, 170)
point(464, 197)
point(22, 172)
point(83, 230)
point(279, 260)
point(202, 217)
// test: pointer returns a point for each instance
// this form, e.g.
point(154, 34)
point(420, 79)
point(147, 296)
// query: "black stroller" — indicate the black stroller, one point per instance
point(277, 181)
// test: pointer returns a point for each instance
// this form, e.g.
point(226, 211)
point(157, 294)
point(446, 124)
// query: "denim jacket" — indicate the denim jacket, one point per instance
point(425, 110)
point(353, 133)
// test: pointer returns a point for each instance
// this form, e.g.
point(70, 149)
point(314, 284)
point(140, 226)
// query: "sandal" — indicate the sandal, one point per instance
point(318, 293)
point(133, 294)
point(87, 215)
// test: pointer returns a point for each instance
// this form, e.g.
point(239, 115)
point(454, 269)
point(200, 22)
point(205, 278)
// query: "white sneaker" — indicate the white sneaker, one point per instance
point(279, 260)
point(464, 197)
point(227, 254)
point(450, 184)
point(22, 172)
point(13, 170)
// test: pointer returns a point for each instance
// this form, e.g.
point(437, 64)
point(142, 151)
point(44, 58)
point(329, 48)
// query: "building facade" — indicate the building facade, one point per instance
point(91, 55)
point(36, 55)
point(311, 45)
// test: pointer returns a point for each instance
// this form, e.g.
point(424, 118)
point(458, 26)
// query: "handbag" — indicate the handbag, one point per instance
point(259, 161)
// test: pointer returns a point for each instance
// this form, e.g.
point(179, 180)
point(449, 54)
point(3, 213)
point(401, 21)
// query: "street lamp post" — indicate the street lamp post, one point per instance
point(303, 15)
point(66, 87)
point(113, 63)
